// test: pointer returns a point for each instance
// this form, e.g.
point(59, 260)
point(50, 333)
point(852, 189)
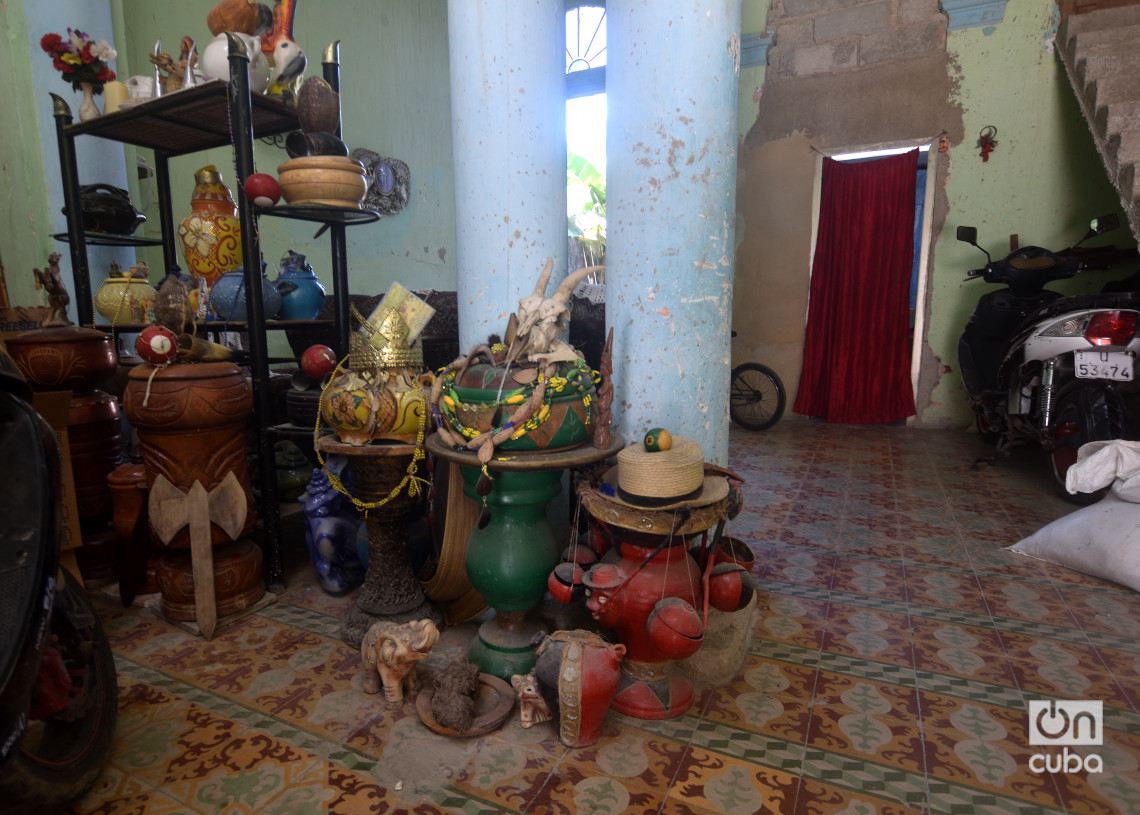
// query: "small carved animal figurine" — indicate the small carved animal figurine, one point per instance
point(453, 703)
point(532, 707)
point(390, 652)
point(49, 280)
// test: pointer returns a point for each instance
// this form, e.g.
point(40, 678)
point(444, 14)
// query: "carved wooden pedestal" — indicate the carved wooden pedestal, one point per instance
point(191, 420)
point(390, 590)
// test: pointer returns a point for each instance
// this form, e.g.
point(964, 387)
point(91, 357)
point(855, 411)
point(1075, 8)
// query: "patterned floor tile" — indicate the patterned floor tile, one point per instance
point(981, 762)
point(856, 694)
point(119, 792)
point(896, 648)
point(710, 782)
point(819, 798)
point(857, 575)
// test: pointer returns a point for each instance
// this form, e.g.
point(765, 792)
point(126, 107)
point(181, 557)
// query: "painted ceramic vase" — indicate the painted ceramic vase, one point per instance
point(578, 675)
point(379, 404)
point(333, 530)
point(125, 298)
point(211, 233)
point(485, 397)
point(227, 298)
point(302, 294)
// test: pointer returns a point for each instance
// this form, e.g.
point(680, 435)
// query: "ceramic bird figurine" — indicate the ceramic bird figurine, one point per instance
point(287, 56)
point(291, 62)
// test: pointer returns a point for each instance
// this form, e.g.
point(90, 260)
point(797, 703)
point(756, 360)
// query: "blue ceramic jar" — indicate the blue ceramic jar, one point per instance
point(302, 294)
point(227, 297)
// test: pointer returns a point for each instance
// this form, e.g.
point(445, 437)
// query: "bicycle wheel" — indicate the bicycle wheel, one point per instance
point(756, 396)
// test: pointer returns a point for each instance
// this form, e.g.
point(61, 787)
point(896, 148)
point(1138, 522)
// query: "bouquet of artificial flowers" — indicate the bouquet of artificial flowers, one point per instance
point(79, 58)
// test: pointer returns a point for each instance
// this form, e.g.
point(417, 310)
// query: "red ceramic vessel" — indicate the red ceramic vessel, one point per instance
point(578, 674)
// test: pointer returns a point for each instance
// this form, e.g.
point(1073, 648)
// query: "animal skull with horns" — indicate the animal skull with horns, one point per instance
point(532, 332)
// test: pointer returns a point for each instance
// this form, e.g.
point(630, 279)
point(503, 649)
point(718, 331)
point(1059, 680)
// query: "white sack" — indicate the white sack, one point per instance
point(1099, 463)
point(1101, 540)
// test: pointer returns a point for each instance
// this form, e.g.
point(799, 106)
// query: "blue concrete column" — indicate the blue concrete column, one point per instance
point(671, 84)
point(508, 114)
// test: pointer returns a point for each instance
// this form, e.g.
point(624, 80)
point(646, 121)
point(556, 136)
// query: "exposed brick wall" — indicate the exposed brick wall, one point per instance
point(831, 36)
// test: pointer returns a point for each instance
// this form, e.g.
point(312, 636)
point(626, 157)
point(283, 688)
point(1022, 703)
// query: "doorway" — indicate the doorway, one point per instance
point(921, 235)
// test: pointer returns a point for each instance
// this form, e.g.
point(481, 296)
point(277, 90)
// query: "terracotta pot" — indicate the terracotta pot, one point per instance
point(64, 357)
point(326, 180)
point(94, 430)
point(192, 428)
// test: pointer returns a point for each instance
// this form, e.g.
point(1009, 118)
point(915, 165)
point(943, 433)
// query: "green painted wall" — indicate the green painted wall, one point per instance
point(396, 101)
point(1044, 181)
point(25, 223)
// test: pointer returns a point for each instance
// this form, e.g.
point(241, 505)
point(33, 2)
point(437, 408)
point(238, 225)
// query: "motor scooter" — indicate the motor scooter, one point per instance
point(1040, 367)
point(58, 689)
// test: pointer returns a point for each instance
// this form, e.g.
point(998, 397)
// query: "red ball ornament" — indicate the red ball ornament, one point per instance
point(262, 189)
point(156, 344)
point(318, 361)
point(675, 629)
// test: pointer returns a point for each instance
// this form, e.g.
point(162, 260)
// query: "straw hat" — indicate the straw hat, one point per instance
point(664, 479)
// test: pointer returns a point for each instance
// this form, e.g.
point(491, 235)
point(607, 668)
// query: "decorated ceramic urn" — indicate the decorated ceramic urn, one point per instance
point(211, 233)
point(381, 395)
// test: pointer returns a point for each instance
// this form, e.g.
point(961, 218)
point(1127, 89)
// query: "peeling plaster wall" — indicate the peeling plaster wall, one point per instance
point(845, 76)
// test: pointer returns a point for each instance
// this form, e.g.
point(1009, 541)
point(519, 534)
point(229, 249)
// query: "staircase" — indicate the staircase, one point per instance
point(1099, 51)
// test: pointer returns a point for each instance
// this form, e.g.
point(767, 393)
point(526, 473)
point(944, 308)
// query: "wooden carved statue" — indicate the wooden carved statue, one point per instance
point(50, 281)
point(390, 652)
point(532, 707)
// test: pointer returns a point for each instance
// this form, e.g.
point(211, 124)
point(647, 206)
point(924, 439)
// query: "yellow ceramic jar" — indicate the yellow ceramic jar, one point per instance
point(125, 298)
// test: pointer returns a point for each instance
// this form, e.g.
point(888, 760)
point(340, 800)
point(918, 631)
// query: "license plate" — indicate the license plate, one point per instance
point(1114, 365)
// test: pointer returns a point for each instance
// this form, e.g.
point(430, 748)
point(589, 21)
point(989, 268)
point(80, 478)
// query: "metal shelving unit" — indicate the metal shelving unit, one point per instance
point(214, 114)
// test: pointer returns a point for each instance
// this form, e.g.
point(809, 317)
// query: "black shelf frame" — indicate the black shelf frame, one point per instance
point(215, 114)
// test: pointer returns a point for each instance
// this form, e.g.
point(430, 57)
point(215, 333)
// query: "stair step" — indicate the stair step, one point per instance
point(1117, 118)
point(1119, 17)
point(1127, 149)
point(1108, 90)
point(1115, 61)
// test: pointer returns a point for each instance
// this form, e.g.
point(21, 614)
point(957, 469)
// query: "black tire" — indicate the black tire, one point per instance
point(60, 756)
point(756, 396)
point(1083, 413)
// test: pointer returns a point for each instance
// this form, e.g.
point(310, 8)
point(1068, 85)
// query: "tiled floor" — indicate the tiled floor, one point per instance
point(897, 647)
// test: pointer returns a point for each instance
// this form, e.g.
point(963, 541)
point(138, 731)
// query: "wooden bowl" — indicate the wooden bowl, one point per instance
point(329, 180)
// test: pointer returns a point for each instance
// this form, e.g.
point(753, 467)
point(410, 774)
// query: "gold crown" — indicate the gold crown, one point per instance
point(384, 347)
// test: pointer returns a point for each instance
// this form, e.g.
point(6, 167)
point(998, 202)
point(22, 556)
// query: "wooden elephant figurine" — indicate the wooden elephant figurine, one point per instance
point(390, 652)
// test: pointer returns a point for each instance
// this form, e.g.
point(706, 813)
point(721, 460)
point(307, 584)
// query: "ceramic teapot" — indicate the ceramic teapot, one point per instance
point(216, 60)
point(108, 209)
point(302, 294)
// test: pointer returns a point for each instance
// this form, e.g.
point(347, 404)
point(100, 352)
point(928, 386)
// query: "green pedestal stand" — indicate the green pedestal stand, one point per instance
point(510, 559)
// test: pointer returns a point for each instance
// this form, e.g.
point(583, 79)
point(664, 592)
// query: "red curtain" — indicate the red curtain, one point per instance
point(857, 346)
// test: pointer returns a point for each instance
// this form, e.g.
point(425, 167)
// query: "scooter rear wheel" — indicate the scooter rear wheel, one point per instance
point(59, 756)
point(1084, 412)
